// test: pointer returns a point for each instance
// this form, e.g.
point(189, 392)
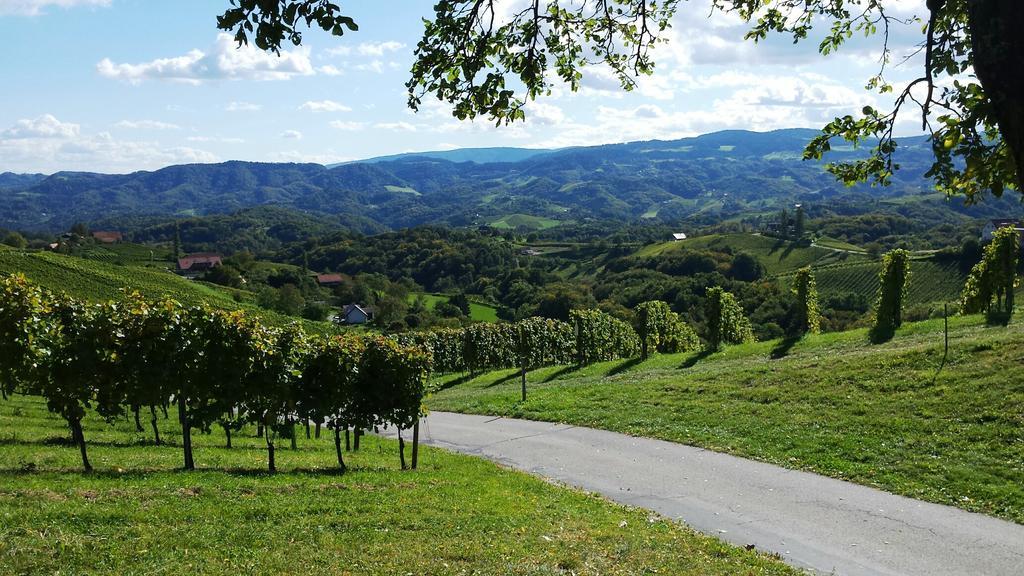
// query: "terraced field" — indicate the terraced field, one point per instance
point(96, 281)
point(778, 256)
point(930, 281)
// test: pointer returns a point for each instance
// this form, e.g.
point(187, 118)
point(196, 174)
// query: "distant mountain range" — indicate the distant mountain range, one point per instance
point(478, 155)
point(706, 179)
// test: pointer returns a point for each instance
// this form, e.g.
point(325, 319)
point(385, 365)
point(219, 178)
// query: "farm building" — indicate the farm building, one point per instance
point(107, 236)
point(196, 264)
point(330, 280)
point(678, 236)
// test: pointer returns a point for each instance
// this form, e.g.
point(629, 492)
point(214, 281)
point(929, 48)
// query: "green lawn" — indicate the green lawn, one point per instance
point(477, 311)
point(831, 404)
point(137, 514)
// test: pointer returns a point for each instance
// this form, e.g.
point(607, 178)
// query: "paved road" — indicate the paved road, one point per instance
point(816, 523)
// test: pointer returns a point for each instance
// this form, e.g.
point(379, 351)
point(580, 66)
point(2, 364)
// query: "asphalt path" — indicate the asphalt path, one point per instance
point(816, 523)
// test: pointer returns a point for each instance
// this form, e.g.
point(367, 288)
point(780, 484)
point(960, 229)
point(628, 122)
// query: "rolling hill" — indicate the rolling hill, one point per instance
point(707, 179)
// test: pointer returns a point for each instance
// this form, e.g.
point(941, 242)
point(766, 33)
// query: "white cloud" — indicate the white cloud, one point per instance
point(367, 49)
point(347, 126)
point(291, 135)
point(329, 70)
point(48, 145)
point(543, 114)
point(45, 126)
point(147, 125)
point(243, 107)
point(396, 126)
point(36, 7)
point(218, 139)
point(324, 106)
point(223, 62)
point(327, 157)
point(376, 66)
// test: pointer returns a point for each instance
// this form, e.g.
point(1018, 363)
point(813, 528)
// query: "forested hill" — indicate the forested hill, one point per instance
point(700, 180)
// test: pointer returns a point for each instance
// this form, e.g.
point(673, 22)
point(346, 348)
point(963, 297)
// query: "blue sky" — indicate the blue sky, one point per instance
point(124, 85)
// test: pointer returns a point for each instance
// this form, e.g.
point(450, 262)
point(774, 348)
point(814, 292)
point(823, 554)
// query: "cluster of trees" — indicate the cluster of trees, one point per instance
point(992, 281)
point(220, 368)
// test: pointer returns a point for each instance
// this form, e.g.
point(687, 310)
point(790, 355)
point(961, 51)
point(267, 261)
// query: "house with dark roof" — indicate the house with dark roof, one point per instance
point(195, 264)
point(107, 236)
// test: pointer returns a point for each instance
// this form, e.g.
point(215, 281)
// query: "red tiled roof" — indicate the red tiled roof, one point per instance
point(107, 236)
point(199, 261)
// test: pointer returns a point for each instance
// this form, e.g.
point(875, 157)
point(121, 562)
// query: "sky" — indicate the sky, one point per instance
point(124, 85)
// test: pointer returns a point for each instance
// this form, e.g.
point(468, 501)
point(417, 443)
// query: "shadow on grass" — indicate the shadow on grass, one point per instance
point(455, 382)
point(998, 318)
point(693, 360)
point(624, 366)
point(504, 379)
point(879, 335)
point(143, 473)
point(563, 372)
point(782, 349)
point(66, 442)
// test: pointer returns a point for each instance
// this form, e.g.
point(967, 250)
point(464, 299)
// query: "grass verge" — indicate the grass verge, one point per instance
point(880, 415)
point(455, 515)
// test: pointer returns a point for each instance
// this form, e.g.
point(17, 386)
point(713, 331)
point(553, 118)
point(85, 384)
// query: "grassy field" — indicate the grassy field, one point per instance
point(878, 415)
point(778, 256)
point(513, 221)
point(455, 515)
point(477, 311)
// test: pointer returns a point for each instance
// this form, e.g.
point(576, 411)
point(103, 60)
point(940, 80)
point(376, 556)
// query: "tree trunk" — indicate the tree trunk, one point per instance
point(401, 449)
point(259, 430)
point(997, 44)
point(164, 408)
point(227, 433)
point(307, 429)
point(337, 447)
point(186, 434)
point(156, 431)
point(79, 437)
point(271, 465)
point(3, 392)
point(316, 434)
point(348, 445)
point(355, 442)
point(415, 444)
point(138, 422)
point(292, 428)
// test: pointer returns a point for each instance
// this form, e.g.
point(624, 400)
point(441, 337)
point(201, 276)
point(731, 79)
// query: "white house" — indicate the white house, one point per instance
point(992, 225)
point(678, 236)
point(354, 314)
